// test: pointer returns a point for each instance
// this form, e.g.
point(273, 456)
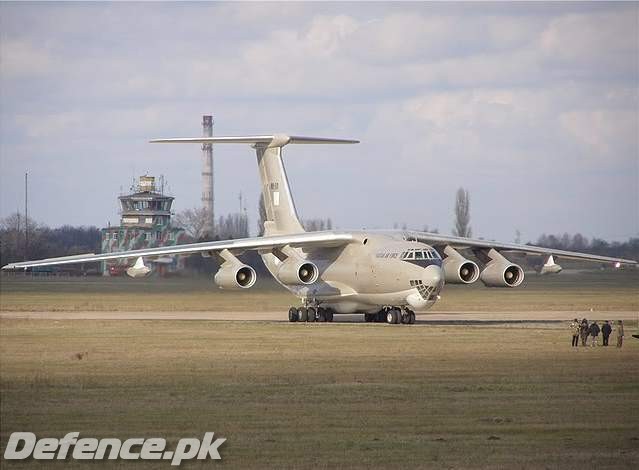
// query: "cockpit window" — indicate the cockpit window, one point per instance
point(418, 253)
point(412, 253)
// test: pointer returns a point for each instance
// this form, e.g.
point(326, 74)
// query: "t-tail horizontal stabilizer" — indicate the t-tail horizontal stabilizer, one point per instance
point(276, 140)
point(281, 216)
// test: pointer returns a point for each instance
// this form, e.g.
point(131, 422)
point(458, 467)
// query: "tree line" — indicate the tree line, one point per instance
point(22, 239)
point(577, 242)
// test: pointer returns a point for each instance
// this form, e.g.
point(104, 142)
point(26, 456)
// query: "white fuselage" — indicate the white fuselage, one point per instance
point(374, 271)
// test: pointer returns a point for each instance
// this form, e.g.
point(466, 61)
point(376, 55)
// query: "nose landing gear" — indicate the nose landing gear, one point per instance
point(408, 316)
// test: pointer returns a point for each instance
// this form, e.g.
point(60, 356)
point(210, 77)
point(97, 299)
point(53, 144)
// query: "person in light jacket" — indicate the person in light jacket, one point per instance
point(619, 333)
point(575, 327)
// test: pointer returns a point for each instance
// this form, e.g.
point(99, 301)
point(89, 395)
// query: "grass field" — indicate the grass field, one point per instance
point(327, 395)
point(582, 291)
point(335, 395)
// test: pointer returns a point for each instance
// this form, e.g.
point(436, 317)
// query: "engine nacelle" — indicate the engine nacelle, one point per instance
point(235, 276)
point(297, 271)
point(500, 272)
point(457, 269)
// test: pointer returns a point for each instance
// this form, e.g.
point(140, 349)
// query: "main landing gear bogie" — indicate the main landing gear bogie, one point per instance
point(392, 316)
point(310, 314)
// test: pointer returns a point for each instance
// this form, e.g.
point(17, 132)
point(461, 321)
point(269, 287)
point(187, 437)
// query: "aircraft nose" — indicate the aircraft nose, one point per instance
point(432, 275)
point(433, 280)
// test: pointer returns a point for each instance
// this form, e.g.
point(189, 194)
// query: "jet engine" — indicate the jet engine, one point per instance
point(295, 271)
point(500, 272)
point(457, 269)
point(235, 276)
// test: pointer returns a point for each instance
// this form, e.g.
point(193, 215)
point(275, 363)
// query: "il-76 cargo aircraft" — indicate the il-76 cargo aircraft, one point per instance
point(385, 275)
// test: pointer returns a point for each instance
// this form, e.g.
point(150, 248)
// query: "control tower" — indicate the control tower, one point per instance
point(145, 222)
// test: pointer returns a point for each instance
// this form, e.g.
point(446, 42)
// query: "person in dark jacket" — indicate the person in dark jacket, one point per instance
point(606, 329)
point(594, 332)
point(584, 331)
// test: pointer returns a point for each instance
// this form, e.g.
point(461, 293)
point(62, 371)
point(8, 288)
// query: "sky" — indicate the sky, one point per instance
point(532, 107)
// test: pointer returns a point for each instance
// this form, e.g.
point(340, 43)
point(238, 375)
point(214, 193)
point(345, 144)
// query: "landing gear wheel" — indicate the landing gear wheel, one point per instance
point(398, 315)
point(292, 315)
point(391, 316)
point(370, 317)
point(404, 317)
point(380, 317)
point(321, 315)
point(303, 314)
point(411, 320)
point(312, 314)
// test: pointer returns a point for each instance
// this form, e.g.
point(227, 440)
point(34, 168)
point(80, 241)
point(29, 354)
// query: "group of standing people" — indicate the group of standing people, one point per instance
point(584, 330)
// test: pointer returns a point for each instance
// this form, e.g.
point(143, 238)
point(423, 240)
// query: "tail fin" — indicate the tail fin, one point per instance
point(278, 200)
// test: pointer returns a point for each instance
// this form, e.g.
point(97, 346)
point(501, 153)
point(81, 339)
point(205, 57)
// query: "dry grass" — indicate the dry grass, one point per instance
point(126, 295)
point(328, 395)
point(597, 290)
point(581, 290)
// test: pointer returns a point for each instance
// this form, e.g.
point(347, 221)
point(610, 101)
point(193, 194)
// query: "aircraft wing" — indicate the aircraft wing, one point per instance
point(436, 239)
point(302, 240)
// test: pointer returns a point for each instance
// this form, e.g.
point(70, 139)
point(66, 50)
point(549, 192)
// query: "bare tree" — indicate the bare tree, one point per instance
point(193, 221)
point(44, 242)
point(579, 243)
point(233, 226)
point(462, 214)
point(13, 241)
point(12, 238)
point(317, 225)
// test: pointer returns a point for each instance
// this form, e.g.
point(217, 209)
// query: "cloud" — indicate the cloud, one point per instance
point(605, 133)
point(527, 100)
point(604, 40)
point(20, 59)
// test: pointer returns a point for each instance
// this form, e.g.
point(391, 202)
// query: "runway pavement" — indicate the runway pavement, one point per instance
point(280, 316)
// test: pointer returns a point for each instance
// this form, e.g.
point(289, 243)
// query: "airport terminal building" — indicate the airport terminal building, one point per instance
point(145, 223)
